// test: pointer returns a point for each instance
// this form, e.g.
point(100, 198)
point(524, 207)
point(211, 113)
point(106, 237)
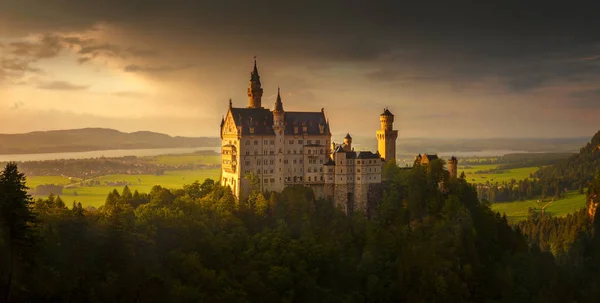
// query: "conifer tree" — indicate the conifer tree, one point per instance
point(16, 221)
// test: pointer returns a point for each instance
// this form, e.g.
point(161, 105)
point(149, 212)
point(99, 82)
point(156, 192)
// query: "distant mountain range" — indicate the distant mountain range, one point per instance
point(89, 139)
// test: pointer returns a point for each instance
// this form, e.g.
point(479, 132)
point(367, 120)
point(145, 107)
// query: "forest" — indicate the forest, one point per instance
point(429, 240)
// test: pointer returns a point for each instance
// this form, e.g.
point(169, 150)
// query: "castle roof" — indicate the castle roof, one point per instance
point(348, 136)
point(431, 157)
point(262, 121)
point(259, 118)
point(386, 112)
point(367, 155)
point(311, 120)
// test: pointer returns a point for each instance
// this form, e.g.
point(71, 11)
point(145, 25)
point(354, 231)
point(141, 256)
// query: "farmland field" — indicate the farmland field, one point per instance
point(517, 211)
point(504, 175)
point(96, 195)
point(188, 159)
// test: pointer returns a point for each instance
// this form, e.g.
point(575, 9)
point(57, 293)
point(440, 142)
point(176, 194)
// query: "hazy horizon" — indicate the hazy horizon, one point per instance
point(446, 70)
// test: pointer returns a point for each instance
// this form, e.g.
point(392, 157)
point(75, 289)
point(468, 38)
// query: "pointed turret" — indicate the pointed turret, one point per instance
point(278, 103)
point(255, 90)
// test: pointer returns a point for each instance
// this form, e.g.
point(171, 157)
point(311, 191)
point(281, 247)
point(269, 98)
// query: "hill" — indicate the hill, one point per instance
point(576, 171)
point(88, 139)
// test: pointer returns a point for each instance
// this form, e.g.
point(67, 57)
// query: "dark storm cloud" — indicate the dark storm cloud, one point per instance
point(60, 85)
point(521, 42)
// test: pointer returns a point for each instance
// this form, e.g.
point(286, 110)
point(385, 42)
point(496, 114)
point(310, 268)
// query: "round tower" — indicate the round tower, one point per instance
point(453, 167)
point(348, 142)
point(386, 136)
point(255, 90)
point(387, 120)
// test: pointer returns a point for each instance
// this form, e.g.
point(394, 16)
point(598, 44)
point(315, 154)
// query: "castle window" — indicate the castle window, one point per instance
point(358, 178)
point(266, 180)
point(319, 142)
point(291, 141)
point(246, 172)
point(358, 170)
point(309, 142)
point(321, 178)
point(256, 152)
point(247, 153)
point(294, 151)
point(289, 151)
point(265, 162)
point(247, 142)
point(273, 180)
point(265, 171)
point(272, 152)
point(321, 151)
point(272, 142)
point(285, 161)
point(255, 142)
point(247, 162)
point(265, 152)
point(300, 141)
point(280, 150)
point(271, 171)
point(309, 179)
point(258, 171)
point(272, 162)
point(300, 161)
point(309, 152)
point(320, 169)
point(257, 162)
point(294, 161)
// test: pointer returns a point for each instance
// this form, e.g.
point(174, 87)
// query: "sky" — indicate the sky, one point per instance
point(446, 69)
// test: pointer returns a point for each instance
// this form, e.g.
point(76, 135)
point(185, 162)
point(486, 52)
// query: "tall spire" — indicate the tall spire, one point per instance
point(230, 103)
point(278, 103)
point(254, 88)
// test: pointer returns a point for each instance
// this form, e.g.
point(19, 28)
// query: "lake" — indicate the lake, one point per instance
point(186, 150)
point(105, 153)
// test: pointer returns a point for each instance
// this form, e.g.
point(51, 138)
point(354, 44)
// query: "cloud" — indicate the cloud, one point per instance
point(61, 85)
point(134, 68)
point(17, 105)
point(129, 94)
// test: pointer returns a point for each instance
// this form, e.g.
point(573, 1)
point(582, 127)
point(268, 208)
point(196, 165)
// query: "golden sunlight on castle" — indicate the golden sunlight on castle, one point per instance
point(283, 148)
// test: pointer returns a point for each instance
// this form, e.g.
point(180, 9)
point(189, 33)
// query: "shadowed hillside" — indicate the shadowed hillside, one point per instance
point(88, 139)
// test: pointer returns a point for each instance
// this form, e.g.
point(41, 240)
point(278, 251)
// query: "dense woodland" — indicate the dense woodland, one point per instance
point(429, 240)
point(576, 171)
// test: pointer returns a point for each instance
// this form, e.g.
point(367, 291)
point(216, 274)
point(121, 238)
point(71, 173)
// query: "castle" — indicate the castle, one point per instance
point(285, 148)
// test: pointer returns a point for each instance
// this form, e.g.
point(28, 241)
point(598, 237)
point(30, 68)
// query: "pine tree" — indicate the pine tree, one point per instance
point(16, 220)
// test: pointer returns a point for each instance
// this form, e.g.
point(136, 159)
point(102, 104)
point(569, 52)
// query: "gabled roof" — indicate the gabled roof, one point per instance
point(259, 118)
point(367, 155)
point(431, 157)
point(311, 120)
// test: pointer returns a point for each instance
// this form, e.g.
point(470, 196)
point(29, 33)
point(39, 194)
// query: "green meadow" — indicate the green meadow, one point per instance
point(187, 159)
point(502, 176)
point(518, 210)
point(96, 195)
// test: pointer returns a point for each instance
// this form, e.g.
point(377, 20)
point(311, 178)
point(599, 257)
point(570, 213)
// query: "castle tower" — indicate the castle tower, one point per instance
point(278, 128)
point(453, 167)
point(386, 136)
point(348, 142)
point(255, 90)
